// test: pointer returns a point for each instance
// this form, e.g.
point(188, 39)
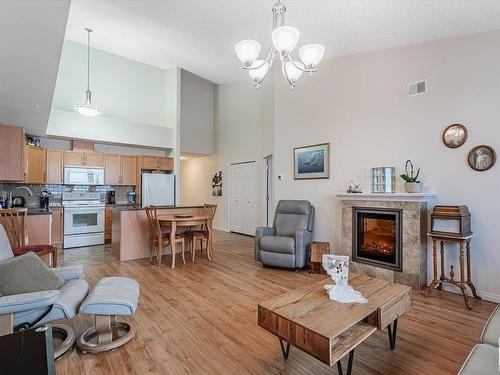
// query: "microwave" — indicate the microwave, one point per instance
point(83, 176)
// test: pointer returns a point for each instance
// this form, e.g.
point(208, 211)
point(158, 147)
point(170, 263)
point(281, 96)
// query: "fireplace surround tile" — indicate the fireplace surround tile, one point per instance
point(414, 241)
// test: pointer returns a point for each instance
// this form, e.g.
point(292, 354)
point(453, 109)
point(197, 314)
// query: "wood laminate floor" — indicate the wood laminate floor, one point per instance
point(201, 318)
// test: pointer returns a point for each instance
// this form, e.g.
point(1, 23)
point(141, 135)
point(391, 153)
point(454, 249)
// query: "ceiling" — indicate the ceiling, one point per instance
point(31, 39)
point(199, 35)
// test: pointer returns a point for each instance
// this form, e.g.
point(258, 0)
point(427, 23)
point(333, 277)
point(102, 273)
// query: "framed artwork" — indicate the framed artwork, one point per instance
point(311, 162)
point(481, 158)
point(217, 184)
point(454, 135)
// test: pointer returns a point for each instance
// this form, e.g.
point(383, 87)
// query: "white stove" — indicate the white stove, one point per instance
point(83, 219)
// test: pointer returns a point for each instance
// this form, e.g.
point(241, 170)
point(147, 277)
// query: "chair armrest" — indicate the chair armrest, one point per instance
point(303, 238)
point(70, 272)
point(28, 301)
point(259, 233)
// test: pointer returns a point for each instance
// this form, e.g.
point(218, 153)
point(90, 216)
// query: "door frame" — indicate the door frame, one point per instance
point(230, 198)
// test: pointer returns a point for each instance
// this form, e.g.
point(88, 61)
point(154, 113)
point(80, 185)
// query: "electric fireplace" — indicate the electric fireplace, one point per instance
point(377, 237)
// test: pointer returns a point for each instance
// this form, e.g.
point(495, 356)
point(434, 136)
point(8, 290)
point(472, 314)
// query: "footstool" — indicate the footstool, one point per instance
point(111, 296)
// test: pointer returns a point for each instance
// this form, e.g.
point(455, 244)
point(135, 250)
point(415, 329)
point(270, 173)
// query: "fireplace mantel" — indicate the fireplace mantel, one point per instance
point(387, 197)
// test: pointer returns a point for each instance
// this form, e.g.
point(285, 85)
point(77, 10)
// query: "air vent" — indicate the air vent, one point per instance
point(417, 88)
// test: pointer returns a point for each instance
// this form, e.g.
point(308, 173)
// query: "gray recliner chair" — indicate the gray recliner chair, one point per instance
point(29, 309)
point(287, 243)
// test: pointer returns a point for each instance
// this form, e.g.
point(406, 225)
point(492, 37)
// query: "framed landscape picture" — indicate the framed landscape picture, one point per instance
point(312, 162)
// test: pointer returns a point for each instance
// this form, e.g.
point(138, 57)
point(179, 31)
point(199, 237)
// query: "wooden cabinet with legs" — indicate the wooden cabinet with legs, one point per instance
point(12, 167)
point(34, 165)
point(55, 167)
point(57, 228)
point(120, 170)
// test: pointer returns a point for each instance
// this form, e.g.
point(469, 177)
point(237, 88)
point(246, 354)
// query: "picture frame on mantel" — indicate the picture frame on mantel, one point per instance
point(311, 162)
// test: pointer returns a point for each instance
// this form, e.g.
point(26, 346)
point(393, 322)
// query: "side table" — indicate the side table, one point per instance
point(462, 284)
point(317, 251)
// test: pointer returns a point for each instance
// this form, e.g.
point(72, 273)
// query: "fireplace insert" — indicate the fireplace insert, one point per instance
point(377, 237)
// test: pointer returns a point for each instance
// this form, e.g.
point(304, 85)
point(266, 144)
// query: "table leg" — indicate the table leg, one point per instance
point(285, 351)
point(209, 240)
point(441, 262)
point(469, 277)
point(160, 250)
point(349, 364)
point(172, 241)
point(54, 257)
point(434, 257)
point(393, 331)
point(462, 282)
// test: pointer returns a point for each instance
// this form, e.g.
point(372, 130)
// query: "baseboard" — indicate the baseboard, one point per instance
point(487, 296)
point(221, 229)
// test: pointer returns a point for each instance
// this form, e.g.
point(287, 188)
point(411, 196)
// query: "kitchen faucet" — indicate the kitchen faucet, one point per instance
point(18, 188)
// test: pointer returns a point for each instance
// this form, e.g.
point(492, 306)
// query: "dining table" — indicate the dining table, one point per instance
point(186, 220)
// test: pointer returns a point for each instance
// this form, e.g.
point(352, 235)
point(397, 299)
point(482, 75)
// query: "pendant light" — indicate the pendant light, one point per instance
point(87, 109)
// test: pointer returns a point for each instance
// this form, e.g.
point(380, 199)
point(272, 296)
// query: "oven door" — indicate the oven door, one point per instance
point(83, 176)
point(79, 220)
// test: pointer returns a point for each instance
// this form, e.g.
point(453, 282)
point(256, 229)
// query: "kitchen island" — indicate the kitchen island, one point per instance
point(131, 236)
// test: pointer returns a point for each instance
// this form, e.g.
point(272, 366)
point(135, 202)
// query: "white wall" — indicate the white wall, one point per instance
point(359, 105)
point(197, 114)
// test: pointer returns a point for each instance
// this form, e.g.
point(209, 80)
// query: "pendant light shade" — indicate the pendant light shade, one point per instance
point(87, 109)
point(311, 55)
point(292, 71)
point(258, 74)
point(247, 51)
point(285, 38)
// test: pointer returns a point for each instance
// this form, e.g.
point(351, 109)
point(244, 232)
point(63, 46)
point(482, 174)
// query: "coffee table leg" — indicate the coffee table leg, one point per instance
point(286, 351)
point(349, 364)
point(392, 333)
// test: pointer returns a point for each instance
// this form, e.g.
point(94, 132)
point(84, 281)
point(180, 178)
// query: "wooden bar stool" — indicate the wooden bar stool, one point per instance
point(162, 240)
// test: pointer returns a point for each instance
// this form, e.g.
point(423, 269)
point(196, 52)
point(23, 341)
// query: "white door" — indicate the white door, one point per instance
point(243, 198)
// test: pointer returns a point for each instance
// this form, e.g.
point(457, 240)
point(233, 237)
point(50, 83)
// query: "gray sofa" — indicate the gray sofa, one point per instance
point(287, 243)
point(483, 358)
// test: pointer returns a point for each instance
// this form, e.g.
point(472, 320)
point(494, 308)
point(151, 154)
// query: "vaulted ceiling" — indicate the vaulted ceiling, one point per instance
point(199, 35)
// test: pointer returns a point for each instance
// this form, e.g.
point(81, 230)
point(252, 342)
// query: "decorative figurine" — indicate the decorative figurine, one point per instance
point(354, 188)
point(337, 266)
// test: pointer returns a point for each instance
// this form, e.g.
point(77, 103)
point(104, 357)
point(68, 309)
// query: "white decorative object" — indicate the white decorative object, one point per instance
point(284, 40)
point(337, 266)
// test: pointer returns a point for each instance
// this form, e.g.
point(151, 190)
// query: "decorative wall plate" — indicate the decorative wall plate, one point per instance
point(481, 158)
point(454, 135)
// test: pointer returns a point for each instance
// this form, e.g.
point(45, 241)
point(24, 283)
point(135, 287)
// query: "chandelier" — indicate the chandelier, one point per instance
point(87, 108)
point(285, 39)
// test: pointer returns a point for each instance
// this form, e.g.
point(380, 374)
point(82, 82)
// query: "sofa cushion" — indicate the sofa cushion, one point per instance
point(288, 224)
point(277, 244)
point(482, 360)
point(112, 296)
point(491, 331)
point(25, 274)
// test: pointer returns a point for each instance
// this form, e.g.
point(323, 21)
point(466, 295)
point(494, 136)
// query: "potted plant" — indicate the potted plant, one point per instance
point(412, 183)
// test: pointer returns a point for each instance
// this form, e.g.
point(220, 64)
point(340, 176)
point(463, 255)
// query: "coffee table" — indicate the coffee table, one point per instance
point(327, 330)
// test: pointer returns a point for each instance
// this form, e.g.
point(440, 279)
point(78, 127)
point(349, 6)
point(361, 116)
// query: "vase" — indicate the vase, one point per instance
point(414, 187)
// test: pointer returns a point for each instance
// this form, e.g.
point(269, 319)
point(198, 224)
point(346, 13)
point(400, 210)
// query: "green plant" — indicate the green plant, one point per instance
point(410, 175)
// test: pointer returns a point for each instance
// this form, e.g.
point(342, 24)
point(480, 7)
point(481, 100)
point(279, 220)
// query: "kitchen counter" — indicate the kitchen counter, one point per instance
point(131, 235)
point(139, 207)
point(38, 211)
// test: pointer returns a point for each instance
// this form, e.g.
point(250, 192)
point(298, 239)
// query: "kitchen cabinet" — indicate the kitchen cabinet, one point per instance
point(54, 167)
point(108, 221)
point(39, 231)
point(34, 165)
point(83, 159)
point(57, 228)
point(157, 163)
point(12, 166)
point(120, 170)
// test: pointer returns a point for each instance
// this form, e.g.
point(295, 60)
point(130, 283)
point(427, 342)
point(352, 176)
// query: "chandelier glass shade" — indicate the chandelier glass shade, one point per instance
point(284, 40)
point(87, 109)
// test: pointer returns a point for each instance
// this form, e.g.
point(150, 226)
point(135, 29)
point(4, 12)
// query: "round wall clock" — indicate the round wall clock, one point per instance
point(454, 135)
point(481, 158)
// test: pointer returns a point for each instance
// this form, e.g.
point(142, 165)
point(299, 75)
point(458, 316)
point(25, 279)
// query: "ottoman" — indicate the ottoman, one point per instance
point(111, 296)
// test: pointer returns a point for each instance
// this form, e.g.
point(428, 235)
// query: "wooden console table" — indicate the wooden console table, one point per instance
point(327, 330)
point(439, 281)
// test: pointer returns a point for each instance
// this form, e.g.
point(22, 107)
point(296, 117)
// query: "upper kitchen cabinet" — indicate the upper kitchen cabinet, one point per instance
point(120, 170)
point(196, 114)
point(83, 159)
point(157, 163)
point(12, 167)
point(35, 165)
point(55, 166)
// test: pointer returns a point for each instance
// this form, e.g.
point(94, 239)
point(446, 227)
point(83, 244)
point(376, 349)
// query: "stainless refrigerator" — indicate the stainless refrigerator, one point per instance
point(158, 189)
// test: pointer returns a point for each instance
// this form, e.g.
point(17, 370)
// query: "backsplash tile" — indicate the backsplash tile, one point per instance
point(57, 190)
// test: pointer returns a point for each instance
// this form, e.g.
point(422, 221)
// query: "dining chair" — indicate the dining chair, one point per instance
point(202, 235)
point(157, 234)
point(15, 223)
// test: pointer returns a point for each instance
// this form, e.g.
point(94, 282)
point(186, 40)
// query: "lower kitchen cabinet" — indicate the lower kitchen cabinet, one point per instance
point(108, 220)
point(57, 228)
